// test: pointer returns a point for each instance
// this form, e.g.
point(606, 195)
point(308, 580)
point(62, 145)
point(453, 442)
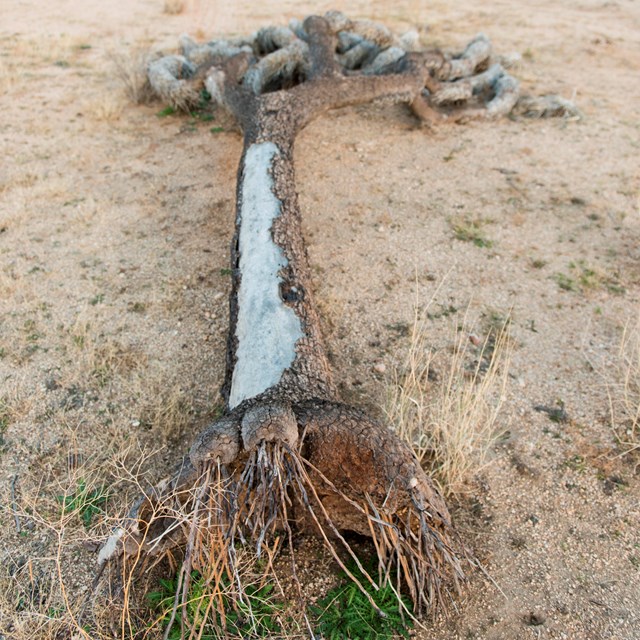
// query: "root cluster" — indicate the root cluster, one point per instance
point(473, 83)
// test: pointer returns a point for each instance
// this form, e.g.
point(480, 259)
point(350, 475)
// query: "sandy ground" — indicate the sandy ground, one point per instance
point(114, 232)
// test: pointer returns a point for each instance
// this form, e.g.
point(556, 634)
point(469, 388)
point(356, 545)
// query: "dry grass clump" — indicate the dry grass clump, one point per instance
point(166, 408)
point(446, 405)
point(130, 69)
point(105, 108)
point(624, 393)
point(9, 75)
point(173, 7)
point(99, 357)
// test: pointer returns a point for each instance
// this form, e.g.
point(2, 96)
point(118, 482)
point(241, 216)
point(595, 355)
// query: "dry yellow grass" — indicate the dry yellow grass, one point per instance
point(130, 69)
point(105, 108)
point(624, 391)
point(450, 417)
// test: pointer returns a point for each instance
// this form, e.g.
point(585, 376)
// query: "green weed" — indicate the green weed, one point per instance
point(85, 501)
point(167, 111)
point(576, 463)
point(470, 230)
point(346, 612)
point(255, 615)
point(565, 282)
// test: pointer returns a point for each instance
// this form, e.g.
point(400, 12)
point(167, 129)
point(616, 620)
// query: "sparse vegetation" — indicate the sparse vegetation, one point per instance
point(173, 7)
point(98, 357)
point(446, 405)
point(167, 111)
point(582, 277)
point(565, 282)
point(4, 423)
point(167, 410)
point(471, 230)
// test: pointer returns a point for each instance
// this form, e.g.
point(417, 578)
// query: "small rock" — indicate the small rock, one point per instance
point(511, 60)
point(135, 423)
point(612, 483)
point(556, 414)
point(51, 384)
point(91, 545)
point(535, 619)
point(379, 367)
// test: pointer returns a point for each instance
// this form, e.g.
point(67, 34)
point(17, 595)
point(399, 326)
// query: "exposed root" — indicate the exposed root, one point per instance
point(204, 528)
point(475, 55)
point(285, 62)
point(550, 106)
point(279, 57)
point(426, 559)
point(170, 78)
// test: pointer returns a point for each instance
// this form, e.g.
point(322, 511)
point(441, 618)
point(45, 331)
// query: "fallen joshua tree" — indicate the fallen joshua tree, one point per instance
point(287, 454)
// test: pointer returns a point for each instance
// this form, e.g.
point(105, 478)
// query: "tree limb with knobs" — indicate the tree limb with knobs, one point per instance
point(287, 454)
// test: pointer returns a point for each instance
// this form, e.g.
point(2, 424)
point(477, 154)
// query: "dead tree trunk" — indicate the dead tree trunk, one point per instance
point(286, 447)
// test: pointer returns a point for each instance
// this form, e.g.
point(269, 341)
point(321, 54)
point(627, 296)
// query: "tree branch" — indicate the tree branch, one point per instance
point(405, 85)
point(322, 47)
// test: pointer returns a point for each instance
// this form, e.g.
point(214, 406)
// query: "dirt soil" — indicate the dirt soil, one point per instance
point(115, 226)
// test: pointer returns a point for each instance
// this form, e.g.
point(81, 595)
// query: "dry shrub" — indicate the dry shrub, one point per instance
point(130, 69)
point(167, 409)
point(173, 7)
point(446, 405)
point(105, 108)
point(38, 594)
point(624, 391)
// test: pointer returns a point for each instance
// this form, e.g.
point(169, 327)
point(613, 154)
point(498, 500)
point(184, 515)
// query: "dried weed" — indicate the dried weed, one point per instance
point(624, 390)
point(450, 418)
point(130, 69)
point(173, 7)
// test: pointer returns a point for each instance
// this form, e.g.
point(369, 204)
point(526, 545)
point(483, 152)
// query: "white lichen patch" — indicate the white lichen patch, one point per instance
point(267, 330)
point(110, 547)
